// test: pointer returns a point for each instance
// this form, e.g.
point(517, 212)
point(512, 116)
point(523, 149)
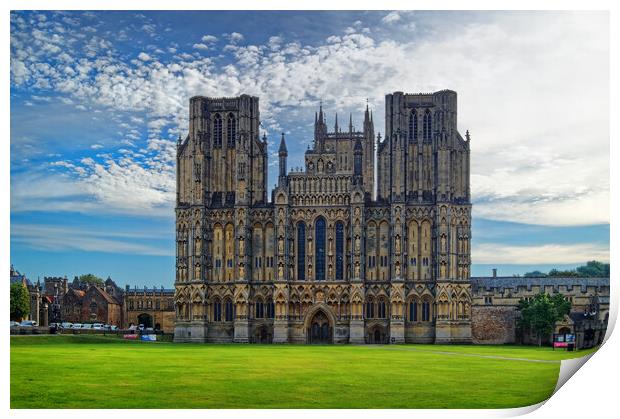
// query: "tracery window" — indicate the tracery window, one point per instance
point(217, 311)
point(301, 251)
point(426, 311)
point(427, 127)
point(339, 249)
point(413, 126)
point(320, 249)
point(370, 310)
point(231, 131)
point(413, 311)
point(228, 308)
point(217, 131)
point(381, 309)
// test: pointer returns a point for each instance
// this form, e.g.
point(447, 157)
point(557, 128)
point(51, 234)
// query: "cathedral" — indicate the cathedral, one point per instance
point(369, 242)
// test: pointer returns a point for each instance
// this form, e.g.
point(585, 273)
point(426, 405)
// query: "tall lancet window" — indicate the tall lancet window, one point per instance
point(339, 250)
point(231, 131)
point(217, 131)
point(413, 126)
point(319, 236)
point(301, 251)
point(428, 123)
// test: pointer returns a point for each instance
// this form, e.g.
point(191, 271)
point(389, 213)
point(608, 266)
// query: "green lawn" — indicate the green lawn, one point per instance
point(104, 372)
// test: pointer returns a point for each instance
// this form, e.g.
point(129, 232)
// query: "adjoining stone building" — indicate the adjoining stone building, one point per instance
point(325, 260)
point(495, 301)
point(151, 307)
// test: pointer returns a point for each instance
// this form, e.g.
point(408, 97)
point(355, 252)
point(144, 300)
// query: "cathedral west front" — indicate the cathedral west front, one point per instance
point(368, 243)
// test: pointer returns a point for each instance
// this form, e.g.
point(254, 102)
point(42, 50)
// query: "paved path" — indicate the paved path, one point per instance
point(506, 358)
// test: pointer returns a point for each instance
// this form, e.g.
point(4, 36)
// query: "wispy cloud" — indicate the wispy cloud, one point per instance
point(58, 239)
point(542, 254)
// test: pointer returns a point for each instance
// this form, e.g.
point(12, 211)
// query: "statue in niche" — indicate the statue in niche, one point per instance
point(357, 244)
point(442, 270)
point(397, 245)
point(241, 271)
point(241, 246)
point(280, 245)
point(357, 269)
point(280, 271)
point(197, 271)
point(397, 269)
point(443, 243)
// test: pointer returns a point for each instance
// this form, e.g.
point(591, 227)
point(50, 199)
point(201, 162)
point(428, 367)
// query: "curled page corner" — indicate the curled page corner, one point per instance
point(568, 367)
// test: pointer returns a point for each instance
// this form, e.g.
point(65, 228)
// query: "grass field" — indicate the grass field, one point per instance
point(105, 372)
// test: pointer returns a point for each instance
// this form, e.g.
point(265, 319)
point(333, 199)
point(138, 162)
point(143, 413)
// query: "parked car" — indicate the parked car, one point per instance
point(66, 325)
point(87, 326)
point(98, 326)
point(113, 328)
point(76, 326)
point(149, 330)
point(133, 327)
point(14, 324)
point(141, 327)
point(28, 323)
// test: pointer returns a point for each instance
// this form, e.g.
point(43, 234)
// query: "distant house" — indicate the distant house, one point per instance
point(91, 305)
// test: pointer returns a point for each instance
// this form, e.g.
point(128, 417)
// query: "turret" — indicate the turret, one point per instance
point(282, 154)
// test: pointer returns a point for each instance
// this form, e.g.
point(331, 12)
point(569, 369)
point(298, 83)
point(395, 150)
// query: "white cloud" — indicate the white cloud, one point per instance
point(522, 80)
point(144, 56)
point(539, 254)
point(391, 17)
point(200, 46)
point(208, 39)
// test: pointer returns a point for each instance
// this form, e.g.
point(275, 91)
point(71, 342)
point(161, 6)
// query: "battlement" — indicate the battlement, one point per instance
point(517, 285)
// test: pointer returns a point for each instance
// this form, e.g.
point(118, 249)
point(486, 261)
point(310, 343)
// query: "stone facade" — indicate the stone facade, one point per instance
point(152, 307)
point(325, 260)
point(495, 301)
point(91, 305)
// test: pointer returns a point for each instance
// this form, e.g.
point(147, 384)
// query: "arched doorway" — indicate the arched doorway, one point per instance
point(319, 330)
point(376, 335)
point(145, 319)
point(262, 335)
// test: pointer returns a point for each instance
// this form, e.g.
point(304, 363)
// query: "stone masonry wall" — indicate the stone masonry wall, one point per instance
point(493, 324)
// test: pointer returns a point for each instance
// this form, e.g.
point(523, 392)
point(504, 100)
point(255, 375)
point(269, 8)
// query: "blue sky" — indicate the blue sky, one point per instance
point(99, 98)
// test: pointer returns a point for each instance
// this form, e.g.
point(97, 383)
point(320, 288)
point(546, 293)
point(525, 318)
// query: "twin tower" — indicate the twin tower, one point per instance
point(341, 253)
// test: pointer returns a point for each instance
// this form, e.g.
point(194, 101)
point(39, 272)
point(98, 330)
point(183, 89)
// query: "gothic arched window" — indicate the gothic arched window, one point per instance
point(217, 131)
point(259, 310)
point(370, 309)
point(427, 127)
point(413, 311)
point(231, 131)
point(413, 126)
point(217, 311)
point(339, 250)
point(381, 309)
point(301, 251)
point(426, 311)
point(228, 309)
point(320, 248)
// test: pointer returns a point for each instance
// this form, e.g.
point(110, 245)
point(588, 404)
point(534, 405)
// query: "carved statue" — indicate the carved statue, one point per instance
point(397, 245)
point(357, 269)
point(241, 271)
point(280, 245)
point(241, 246)
point(357, 244)
point(397, 269)
point(443, 243)
point(280, 271)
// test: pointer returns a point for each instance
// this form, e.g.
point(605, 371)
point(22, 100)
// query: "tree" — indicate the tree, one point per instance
point(540, 314)
point(534, 274)
point(91, 279)
point(20, 302)
point(594, 269)
point(562, 274)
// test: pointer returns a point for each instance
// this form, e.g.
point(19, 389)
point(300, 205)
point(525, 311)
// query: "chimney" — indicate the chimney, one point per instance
point(494, 272)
